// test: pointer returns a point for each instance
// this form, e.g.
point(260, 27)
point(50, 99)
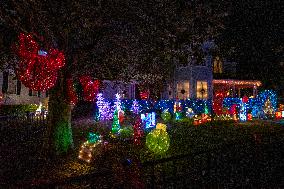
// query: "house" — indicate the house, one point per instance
point(14, 92)
point(201, 80)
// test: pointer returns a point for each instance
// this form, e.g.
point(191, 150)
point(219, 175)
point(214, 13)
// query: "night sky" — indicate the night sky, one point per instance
point(253, 37)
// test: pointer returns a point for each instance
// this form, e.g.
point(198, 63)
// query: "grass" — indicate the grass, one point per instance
point(223, 154)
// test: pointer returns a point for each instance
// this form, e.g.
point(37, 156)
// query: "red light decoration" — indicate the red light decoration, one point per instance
point(37, 72)
point(71, 94)
point(218, 103)
point(90, 87)
point(245, 99)
point(137, 131)
point(144, 95)
point(278, 115)
point(249, 117)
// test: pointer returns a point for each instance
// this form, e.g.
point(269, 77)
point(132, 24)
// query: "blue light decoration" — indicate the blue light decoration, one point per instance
point(149, 119)
point(190, 113)
point(243, 112)
point(283, 114)
point(42, 53)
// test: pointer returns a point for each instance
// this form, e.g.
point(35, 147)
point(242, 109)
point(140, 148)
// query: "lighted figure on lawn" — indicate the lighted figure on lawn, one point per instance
point(177, 110)
point(233, 112)
point(166, 115)
point(149, 119)
point(190, 113)
point(118, 115)
point(158, 141)
point(243, 112)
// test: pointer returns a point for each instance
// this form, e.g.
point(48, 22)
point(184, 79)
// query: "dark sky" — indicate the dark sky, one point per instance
point(253, 37)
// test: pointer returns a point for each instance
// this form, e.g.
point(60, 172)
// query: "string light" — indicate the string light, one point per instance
point(237, 82)
point(37, 71)
point(71, 94)
point(158, 141)
point(90, 87)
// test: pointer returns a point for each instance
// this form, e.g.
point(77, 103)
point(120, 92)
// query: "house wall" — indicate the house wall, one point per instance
point(193, 74)
point(11, 96)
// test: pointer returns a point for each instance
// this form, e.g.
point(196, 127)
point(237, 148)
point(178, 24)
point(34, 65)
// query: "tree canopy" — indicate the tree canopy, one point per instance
point(117, 40)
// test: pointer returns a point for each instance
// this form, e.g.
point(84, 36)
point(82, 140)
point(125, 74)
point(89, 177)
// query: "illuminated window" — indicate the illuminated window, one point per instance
point(183, 89)
point(202, 90)
point(217, 65)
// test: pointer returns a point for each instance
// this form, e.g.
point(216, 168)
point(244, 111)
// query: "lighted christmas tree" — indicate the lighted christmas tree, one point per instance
point(115, 124)
point(268, 108)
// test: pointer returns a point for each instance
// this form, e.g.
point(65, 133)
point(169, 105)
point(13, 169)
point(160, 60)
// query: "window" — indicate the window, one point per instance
point(18, 87)
point(12, 85)
point(183, 89)
point(217, 65)
point(33, 93)
point(202, 90)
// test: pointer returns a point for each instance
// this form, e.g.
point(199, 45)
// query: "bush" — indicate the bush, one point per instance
point(17, 109)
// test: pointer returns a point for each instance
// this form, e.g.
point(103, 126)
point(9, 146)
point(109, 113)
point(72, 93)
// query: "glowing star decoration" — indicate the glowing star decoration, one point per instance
point(158, 141)
point(189, 113)
point(135, 107)
point(243, 112)
point(161, 126)
point(166, 115)
point(37, 71)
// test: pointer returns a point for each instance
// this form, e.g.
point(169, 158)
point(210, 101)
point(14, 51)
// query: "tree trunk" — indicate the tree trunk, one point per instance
point(58, 139)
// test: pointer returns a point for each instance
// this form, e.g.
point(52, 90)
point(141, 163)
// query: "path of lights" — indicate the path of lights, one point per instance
point(38, 71)
point(87, 150)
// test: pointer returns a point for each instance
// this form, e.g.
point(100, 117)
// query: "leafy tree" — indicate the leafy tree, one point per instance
point(115, 40)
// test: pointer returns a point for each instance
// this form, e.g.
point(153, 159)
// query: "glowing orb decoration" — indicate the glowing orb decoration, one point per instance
point(158, 141)
point(166, 115)
point(161, 126)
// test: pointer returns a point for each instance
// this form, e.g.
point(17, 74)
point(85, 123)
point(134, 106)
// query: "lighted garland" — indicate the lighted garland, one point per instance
point(37, 71)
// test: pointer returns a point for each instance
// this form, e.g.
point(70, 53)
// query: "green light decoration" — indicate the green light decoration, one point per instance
point(93, 137)
point(158, 141)
point(206, 111)
point(115, 124)
point(166, 115)
point(63, 137)
point(178, 115)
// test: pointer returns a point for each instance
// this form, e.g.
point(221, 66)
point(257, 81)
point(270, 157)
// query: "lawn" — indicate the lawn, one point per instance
point(217, 154)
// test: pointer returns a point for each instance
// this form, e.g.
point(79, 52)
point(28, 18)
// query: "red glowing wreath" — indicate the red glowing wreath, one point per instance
point(38, 71)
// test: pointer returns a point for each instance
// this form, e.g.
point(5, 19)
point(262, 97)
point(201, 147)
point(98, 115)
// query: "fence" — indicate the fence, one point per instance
point(27, 119)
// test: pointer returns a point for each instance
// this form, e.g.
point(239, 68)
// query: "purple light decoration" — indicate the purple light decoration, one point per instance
point(104, 108)
point(135, 107)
